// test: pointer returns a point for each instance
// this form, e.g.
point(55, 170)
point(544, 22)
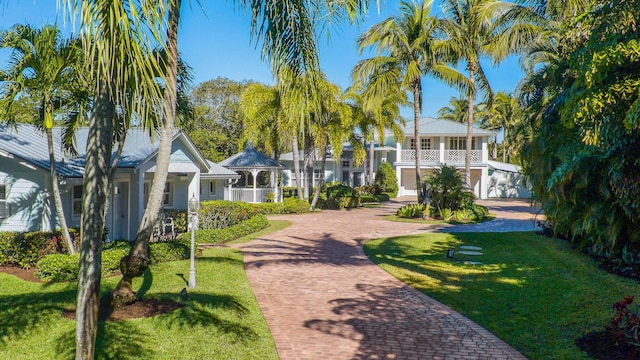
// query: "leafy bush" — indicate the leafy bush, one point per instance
point(219, 214)
point(411, 211)
point(295, 206)
point(446, 188)
point(65, 267)
point(386, 179)
point(217, 236)
point(25, 249)
point(446, 214)
point(338, 196)
point(368, 190)
point(625, 326)
point(180, 218)
point(289, 191)
point(463, 214)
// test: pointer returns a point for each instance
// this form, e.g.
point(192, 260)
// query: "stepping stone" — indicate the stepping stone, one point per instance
point(472, 248)
point(472, 263)
point(472, 253)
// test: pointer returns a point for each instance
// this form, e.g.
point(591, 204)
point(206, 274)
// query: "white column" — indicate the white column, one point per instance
point(255, 183)
point(484, 183)
point(441, 147)
point(485, 150)
point(399, 152)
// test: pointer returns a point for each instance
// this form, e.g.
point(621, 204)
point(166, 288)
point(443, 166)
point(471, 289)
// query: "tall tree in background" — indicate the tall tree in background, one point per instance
point(46, 69)
point(505, 114)
point(217, 126)
point(406, 53)
point(476, 29)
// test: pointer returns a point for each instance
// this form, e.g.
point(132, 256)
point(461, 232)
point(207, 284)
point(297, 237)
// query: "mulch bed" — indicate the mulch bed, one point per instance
point(603, 345)
point(24, 274)
point(142, 308)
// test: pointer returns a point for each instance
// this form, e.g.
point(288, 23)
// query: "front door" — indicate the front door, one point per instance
point(120, 204)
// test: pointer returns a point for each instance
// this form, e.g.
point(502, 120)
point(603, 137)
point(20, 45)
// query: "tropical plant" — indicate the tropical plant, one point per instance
point(476, 29)
point(386, 178)
point(582, 159)
point(446, 189)
point(411, 211)
point(507, 114)
point(47, 69)
point(406, 46)
point(457, 110)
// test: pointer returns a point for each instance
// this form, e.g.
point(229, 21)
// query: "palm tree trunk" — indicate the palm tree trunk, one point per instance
point(94, 208)
point(308, 166)
point(57, 199)
point(137, 261)
point(296, 165)
point(316, 194)
point(467, 154)
point(371, 161)
point(416, 135)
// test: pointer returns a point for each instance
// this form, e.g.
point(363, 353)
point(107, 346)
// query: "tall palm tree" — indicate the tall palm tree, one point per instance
point(406, 46)
point(456, 110)
point(476, 29)
point(505, 114)
point(46, 68)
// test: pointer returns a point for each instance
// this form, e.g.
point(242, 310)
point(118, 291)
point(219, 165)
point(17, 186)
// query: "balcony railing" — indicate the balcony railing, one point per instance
point(247, 194)
point(457, 156)
point(426, 156)
point(433, 156)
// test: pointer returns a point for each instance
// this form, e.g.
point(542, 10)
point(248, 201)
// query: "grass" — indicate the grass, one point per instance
point(274, 225)
point(536, 293)
point(454, 221)
point(222, 319)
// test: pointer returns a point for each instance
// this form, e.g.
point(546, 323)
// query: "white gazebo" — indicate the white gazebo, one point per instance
point(259, 177)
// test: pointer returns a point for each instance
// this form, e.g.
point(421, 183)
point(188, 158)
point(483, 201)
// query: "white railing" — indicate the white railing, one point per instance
point(428, 156)
point(247, 194)
point(457, 156)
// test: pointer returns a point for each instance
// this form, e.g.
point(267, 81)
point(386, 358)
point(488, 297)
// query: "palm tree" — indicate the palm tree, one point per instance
point(481, 28)
point(46, 69)
point(265, 108)
point(505, 113)
point(406, 46)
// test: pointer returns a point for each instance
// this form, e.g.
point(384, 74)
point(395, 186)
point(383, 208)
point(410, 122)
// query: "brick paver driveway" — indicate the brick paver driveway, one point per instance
point(324, 299)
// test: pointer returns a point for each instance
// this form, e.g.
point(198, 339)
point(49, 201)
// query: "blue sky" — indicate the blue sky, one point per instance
point(215, 41)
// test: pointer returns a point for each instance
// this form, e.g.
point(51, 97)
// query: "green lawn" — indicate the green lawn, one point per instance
point(222, 319)
point(453, 221)
point(536, 293)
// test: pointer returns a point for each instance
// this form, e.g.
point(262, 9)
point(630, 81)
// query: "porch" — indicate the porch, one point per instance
point(252, 195)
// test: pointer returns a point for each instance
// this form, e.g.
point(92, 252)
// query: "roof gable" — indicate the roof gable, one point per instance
point(432, 126)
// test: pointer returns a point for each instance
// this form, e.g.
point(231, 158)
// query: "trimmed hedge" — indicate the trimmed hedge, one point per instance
point(217, 236)
point(338, 196)
point(219, 214)
point(64, 267)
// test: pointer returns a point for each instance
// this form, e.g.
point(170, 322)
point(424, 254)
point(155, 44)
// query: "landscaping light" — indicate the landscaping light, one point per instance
point(194, 205)
point(450, 253)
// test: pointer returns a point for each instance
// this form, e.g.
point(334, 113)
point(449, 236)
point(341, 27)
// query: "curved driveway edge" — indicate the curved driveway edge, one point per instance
point(324, 299)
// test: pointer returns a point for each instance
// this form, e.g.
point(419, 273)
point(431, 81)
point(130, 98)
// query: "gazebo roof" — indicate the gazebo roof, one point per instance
point(250, 159)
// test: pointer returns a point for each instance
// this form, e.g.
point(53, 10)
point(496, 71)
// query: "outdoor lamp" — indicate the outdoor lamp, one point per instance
point(450, 253)
point(194, 205)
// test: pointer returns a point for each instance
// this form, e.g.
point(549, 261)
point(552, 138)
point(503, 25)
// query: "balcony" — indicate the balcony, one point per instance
point(433, 156)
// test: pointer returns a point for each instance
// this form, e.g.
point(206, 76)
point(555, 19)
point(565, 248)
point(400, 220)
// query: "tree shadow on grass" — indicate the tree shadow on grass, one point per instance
point(120, 340)
point(23, 313)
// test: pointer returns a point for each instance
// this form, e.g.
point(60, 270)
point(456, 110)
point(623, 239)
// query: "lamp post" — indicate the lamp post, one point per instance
point(194, 205)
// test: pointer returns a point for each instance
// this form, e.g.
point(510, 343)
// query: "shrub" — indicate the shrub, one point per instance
point(179, 249)
point(463, 214)
point(217, 236)
point(411, 211)
point(625, 326)
point(289, 191)
point(446, 189)
point(446, 214)
point(25, 249)
point(386, 179)
point(338, 196)
point(219, 214)
point(180, 218)
point(295, 206)
point(65, 267)
point(369, 190)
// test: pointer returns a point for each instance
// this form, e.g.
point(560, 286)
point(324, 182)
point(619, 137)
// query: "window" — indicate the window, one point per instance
point(460, 143)
point(212, 187)
point(345, 163)
point(167, 195)
point(4, 209)
point(77, 201)
point(425, 144)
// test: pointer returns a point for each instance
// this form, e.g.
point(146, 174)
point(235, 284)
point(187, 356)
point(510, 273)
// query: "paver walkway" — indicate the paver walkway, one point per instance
point(324, 299)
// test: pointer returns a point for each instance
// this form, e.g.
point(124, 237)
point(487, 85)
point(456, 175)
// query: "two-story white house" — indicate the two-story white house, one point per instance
point(441, 142)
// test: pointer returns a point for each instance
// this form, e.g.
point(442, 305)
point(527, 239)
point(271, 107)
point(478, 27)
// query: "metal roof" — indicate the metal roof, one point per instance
point(219, 172)
point(30, 144)
point(504, 166)
point(250, 158)
point(433, 126)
